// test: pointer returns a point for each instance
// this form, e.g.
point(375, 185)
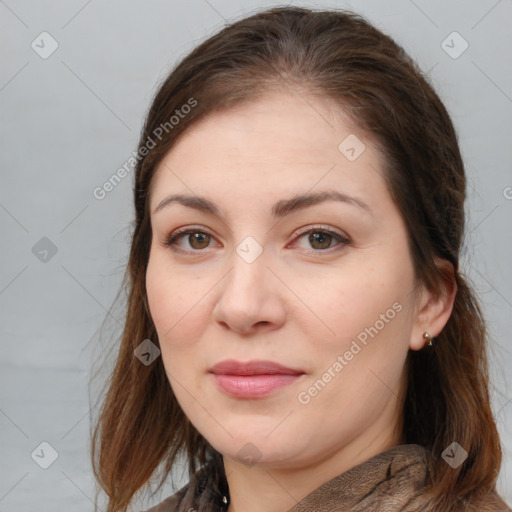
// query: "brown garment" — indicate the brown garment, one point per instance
point(392, 481)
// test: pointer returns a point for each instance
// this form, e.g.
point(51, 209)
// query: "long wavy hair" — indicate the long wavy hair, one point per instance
point(339, 56)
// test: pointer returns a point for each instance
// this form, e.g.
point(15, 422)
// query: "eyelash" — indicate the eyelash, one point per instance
point(170, 240)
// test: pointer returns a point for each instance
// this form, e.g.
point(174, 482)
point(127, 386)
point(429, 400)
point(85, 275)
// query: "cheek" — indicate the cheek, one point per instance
point(369, 310)
point(358, 300)
point(170, 300)
point(179, 310)
point(176, 315)
point(161, 296)
point(360, 367)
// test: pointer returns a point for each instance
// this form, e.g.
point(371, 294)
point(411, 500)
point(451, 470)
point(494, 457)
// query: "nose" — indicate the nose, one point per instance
point(251, 298)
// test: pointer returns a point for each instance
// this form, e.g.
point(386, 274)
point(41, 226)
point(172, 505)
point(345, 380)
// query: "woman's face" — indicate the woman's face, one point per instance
point(322, 288)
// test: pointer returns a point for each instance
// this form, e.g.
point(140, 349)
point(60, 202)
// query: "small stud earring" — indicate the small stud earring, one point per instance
point(428, 339)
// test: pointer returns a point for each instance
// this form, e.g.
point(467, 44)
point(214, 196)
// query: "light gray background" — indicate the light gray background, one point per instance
point(70, 121)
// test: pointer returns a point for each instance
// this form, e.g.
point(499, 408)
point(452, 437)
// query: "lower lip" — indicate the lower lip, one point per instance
point(253, 386)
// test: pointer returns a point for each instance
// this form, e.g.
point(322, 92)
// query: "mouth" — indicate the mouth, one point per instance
point(253, 379)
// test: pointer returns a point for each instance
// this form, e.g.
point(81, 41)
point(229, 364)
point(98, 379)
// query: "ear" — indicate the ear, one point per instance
point(434, 309)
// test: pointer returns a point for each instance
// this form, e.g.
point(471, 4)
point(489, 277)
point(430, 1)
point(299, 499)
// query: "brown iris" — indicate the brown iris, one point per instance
point(324, 239)
point(202, 239)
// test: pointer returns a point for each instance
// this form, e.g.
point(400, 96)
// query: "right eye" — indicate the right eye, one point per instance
point(196, 239)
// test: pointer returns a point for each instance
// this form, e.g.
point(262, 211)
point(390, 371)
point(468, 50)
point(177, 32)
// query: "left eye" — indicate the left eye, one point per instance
point(320, 239)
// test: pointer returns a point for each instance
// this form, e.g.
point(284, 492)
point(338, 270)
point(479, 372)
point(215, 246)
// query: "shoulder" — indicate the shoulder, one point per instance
point(488, 502)
point(172, 503)
point(199, 494)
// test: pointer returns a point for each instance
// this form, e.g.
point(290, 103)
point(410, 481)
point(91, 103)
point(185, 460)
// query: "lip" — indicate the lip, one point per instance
point(253, 379)
point(255, 367)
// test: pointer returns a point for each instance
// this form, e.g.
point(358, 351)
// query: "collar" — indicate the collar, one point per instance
point(390, 481)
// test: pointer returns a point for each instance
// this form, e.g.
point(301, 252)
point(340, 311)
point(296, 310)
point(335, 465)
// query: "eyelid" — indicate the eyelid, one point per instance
point(319, 227)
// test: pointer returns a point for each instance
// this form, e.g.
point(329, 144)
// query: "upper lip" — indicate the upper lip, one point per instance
point(256, 367)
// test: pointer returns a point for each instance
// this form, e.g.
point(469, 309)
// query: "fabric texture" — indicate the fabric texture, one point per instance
point(391, 481)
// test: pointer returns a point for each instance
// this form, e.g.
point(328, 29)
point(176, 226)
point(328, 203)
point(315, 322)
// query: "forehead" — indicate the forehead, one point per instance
point(279, 144)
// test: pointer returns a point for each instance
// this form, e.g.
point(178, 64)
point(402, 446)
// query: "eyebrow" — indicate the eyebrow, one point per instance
point(280, 209)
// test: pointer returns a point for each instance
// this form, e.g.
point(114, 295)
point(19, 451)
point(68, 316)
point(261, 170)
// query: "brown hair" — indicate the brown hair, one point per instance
point(339, 56)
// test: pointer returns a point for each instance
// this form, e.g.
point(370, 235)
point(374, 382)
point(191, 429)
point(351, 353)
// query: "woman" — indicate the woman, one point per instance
point(297, 326)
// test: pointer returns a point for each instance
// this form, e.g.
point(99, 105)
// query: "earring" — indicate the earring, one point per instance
point(428, 338)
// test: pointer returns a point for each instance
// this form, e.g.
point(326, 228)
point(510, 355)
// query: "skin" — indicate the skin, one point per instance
point(294, 304)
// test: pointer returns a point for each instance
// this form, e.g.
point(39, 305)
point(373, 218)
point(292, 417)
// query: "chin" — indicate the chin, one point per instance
point(260, 450)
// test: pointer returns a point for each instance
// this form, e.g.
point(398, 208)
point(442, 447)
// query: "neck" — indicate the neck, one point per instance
point(273, 488)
